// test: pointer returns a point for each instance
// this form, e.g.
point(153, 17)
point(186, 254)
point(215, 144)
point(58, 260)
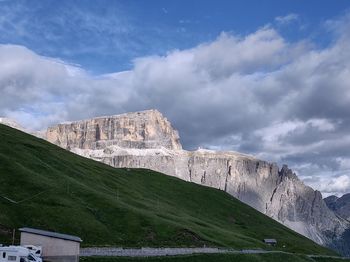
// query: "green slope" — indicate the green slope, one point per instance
point(59, 191)
point(273, 257)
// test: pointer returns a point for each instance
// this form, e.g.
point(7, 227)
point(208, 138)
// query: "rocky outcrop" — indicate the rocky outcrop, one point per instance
point(146, 129)
point(303, 209)
point(147, 140)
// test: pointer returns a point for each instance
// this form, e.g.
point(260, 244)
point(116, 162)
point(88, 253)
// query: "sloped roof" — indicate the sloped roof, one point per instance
point(270, 240)
point(50, 234)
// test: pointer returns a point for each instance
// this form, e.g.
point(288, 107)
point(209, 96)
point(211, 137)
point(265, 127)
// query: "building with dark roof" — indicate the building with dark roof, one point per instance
point(270, 241)
point(56, 247)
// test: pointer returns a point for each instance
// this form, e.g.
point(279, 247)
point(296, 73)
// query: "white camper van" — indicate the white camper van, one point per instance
point(17, 254)
point(35, 250)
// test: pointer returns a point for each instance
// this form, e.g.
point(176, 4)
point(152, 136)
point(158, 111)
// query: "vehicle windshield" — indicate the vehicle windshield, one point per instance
point(31, 258)
point(23, 259)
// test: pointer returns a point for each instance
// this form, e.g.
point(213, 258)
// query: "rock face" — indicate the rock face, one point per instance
point(147, 140)
point(340, 205)
point(147, 129)
point(303, 209)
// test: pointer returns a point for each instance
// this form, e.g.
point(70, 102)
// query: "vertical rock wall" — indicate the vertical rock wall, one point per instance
point(147, 129)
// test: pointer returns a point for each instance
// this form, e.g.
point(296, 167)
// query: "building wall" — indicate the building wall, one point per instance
point(53, 247)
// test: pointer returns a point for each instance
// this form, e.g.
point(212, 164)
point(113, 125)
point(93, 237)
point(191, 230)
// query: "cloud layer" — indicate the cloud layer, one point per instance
point(260, 94)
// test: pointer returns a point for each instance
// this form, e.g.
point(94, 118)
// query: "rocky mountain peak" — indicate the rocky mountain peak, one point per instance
point(141, 130)
point(330, 201)
point(286, 172)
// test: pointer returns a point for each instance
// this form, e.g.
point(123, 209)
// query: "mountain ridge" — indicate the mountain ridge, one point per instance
point(106, 206)
point(273, 191)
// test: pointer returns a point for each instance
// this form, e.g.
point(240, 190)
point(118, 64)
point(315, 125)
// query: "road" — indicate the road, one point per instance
point(156, 252)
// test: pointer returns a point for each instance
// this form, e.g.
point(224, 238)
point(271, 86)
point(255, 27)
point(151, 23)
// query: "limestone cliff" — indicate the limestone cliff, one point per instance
point(147, 140)
point(146, 129)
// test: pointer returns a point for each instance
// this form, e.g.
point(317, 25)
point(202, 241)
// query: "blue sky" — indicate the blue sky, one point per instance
point(268, 78)
point(105, 36)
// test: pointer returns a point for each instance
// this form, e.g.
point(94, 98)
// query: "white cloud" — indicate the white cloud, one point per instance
point(283, 20)
point(257, 93)
point(321, 124)
point(330, 185)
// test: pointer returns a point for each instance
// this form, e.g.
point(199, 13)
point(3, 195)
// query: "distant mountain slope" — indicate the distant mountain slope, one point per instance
point(44, 186)
point(340, 205)
point(11, 123)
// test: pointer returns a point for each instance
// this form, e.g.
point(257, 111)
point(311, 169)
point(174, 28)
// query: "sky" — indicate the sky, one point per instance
point(269, 78)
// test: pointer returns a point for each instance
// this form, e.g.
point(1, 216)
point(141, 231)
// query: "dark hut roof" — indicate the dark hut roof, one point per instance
point(50, 234)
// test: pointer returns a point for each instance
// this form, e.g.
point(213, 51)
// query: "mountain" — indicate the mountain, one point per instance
point(147, 140)
point(12, 123)
point(141, 130)
point(340, 205)
point(44, 186)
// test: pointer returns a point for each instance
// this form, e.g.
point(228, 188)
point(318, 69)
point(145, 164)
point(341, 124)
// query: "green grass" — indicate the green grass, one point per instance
point(326, 259)
point(208, 258)
point(59, 191)
point(217, 258)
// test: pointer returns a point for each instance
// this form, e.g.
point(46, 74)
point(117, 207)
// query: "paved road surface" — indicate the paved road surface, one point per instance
point(154, 252)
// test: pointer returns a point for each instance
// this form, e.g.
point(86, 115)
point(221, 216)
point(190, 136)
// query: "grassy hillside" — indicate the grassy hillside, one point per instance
point(219, 258)
point(43, 186)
